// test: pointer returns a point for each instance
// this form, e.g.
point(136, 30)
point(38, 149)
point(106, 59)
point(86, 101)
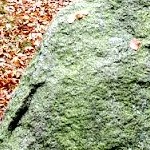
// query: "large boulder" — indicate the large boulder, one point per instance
point(86, 89)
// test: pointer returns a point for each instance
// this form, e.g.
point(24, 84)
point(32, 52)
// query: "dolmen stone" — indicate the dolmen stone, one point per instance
point(86, 88)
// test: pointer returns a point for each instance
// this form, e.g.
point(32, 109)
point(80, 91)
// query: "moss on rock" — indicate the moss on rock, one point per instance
point(86, 89)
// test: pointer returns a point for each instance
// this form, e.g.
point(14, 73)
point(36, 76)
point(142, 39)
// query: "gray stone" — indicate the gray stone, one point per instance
point(86, 89)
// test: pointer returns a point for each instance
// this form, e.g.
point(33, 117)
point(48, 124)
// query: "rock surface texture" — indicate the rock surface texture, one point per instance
point(86, 89)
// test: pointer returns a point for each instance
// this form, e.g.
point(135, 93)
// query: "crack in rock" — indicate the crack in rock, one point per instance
point(24, 107)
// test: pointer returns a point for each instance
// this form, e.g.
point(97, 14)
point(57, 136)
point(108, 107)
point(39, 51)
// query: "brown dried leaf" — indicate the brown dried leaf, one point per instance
point(135, 44)
point(77, 16)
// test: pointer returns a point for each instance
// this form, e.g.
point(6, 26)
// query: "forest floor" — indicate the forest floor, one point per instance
point(22, 25)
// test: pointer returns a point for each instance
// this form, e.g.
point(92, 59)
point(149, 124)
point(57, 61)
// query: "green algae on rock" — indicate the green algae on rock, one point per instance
point(86, 89)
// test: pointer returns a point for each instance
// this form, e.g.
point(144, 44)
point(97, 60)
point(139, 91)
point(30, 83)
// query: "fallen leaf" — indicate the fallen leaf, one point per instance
point(26, 17)
point(81, 14)
point(60, 2)
point(16, 61)
point(8, 26)
point(135, 44)
point(77, 16)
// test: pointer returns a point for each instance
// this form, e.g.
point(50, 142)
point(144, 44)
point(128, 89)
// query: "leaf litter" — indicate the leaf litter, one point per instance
point(22, 25)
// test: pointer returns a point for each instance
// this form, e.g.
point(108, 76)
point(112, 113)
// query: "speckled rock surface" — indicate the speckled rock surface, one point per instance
point(86, 89)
